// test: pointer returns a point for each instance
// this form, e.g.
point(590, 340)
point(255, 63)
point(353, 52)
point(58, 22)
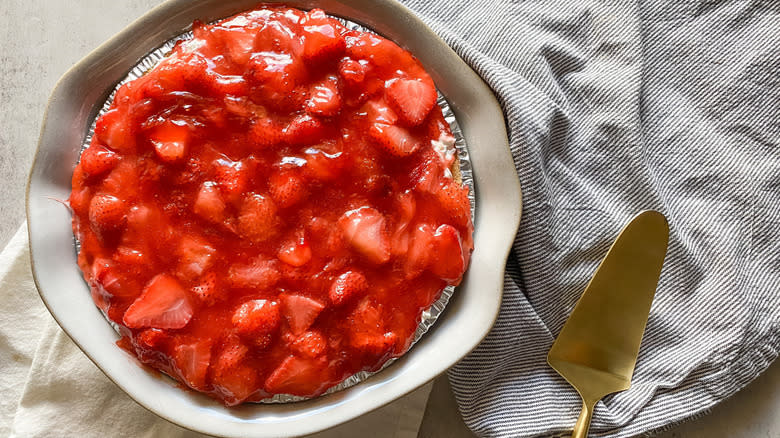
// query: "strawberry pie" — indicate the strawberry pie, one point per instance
point(272, 207)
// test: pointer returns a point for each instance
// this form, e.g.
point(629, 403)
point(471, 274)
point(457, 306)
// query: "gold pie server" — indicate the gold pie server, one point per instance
point(598, 346)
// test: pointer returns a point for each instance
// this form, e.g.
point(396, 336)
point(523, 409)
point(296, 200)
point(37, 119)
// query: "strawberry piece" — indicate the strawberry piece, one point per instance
point(300, 311)
point(107, 214)
point(163, 304)
point(195, 257)
point(110, 283)
point(257, 219)
point(419, 253)
point(240, 44)
point(298, 376)
point(97, 160)
point(413, 99)
point(277, 73)
point(256, 320)
point(428, 176)
point(374, 344)
point(295, 253)
point(209, 204)
point(364, 228)
point(406, 207)
point(287, 188)
point(260, 274)
point(323, 166)
point(112, 130)
point(448, 260)
point(377, 111)
point(304, 129)
point(192, 362)
point(150, 339)
point(454, 201)
point(79, 199)
point(265, 132)
point(170, 141)
point(346, 287)
point(309, 345)
point(207, 289)
point(322, 39)
point(352, 71)
point(395, 140)
point(231, 177)
point(324, 98)
point(234, 380)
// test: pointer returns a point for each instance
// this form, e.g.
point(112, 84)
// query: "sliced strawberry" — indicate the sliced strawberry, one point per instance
point(97, 160)
point(257, 219)
point(421, 246)
point(300, 311)
point(367, 316)
point(209, 204)
point(266, 132)
point(195, 257)
point(287, 188)
point(373, 344)
point(309, 345)
point(278, 76)
point(377, 111)
point(231, 177)
point(324, 166)
point(107, 214)
point(151, 339)
point(112, 130)
point(295, 252)
point(428, 176)
point(352, 71)
point(259, 274)
point(454, 201)
point(192, 362)
point(304, 129)
point(324, 98)
point(110, 282)
point(298, 376)
point(255, 320)
point(163, 304)
point(364, 228)
point(129, 256)
point(395, 140)
point(240, 44)
point(406, 207)
point(233, 379)
point(413, 99)
point(207, 289)
point(170, 141)
point(448, 260)
point(346, 287)
point(322, 37)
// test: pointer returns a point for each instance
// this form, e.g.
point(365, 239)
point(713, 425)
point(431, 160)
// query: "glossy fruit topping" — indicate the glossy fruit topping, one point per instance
point(272, 207)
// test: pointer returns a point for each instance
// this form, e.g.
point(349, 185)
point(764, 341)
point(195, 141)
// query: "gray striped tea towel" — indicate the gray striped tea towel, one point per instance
point(614, 107)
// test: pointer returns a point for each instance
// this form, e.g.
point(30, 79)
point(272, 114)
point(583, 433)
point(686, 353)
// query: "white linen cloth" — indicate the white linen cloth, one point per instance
point(51, 389)
point(612, 107)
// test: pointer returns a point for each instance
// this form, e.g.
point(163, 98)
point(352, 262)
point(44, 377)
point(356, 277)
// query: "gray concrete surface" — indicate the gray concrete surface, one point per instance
point(40, 39)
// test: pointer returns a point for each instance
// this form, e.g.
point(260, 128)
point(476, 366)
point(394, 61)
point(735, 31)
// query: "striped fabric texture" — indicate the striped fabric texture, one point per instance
point(614, 107)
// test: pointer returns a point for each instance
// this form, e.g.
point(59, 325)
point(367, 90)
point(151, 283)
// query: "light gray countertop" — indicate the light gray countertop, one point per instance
point(41, 39)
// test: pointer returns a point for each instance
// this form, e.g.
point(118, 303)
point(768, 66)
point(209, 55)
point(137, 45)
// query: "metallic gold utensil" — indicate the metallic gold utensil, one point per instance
point(597, 348)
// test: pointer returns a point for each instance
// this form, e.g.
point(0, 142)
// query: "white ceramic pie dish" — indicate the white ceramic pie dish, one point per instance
point(469, 316)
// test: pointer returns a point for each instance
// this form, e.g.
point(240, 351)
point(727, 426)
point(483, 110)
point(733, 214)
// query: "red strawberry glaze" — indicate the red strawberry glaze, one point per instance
point(272, 207)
